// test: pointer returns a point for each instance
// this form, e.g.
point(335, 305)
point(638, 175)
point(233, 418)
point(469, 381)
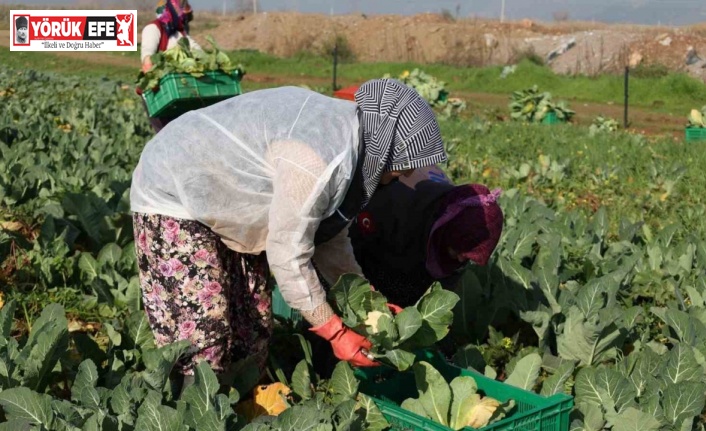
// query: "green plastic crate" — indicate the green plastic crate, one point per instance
point(695, 134)
point(532, 412)
point(179, 93)
point(551, 118)
point(281, 309)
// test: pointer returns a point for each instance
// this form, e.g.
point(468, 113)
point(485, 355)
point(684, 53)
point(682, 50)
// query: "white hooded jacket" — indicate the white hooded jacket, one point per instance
point(262, 170)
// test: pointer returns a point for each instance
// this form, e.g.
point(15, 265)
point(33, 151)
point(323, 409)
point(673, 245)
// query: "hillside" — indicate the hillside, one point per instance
point(434, 38)
point(595, 47)
point(649, 12)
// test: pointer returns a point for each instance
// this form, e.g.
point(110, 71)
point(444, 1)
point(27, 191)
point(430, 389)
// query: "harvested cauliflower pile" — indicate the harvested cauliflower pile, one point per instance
point(455, 405)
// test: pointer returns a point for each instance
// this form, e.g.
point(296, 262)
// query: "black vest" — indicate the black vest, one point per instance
point(402, 218)
point(393, 255)
point(352, 202)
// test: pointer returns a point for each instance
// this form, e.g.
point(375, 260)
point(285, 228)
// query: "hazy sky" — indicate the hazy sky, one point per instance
point(638, 11)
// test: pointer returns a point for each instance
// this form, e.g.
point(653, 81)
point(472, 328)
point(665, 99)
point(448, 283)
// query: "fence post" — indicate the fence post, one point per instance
point(335, 63)
point(627, 81)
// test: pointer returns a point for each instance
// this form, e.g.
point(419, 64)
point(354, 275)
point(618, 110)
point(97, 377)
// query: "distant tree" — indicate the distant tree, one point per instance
point(561, 15)
point(447, 15)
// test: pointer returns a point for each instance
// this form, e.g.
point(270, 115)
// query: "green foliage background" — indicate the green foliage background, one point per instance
point(599, 273)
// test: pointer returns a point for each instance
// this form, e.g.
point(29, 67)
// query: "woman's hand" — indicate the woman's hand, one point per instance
point(146, 65)
point(347, 345)
point(394, 309)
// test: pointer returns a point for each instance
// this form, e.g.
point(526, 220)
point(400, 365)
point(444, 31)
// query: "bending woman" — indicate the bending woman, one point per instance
point(269, 180)
point(423, 229)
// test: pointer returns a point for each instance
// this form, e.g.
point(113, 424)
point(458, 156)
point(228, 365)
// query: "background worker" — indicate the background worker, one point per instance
point(421, 229)
point(171, 25)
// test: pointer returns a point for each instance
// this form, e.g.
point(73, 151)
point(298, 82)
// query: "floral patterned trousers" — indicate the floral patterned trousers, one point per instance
point(195, 288)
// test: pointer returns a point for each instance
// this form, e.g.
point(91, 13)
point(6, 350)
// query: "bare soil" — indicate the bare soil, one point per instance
point(428, 38)
point(432, 38)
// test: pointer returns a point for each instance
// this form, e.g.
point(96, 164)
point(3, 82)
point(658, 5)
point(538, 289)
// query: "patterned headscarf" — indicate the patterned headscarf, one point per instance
point(170, 13)
point(400, 131)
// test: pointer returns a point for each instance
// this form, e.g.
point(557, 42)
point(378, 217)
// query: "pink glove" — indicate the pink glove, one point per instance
point(347, 344)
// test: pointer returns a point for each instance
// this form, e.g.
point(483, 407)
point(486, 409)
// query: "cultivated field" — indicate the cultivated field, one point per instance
point(597, 289)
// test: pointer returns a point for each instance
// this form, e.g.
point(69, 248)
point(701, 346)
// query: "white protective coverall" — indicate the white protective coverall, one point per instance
point(262, 170)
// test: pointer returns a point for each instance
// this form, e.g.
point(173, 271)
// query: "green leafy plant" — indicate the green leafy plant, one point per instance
point(622, 362)
point(532, 106)
point(130, 406)
point(696, 119)
point(105, 275)
point(32, 364)
point(394, 337)
point(456, 404)
point(452, 108)
point(599, 271)
point(64, 179)
point(335, 402)
point(181, 59)
point(603, 124)
point(125, 387)
point(433, 91)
